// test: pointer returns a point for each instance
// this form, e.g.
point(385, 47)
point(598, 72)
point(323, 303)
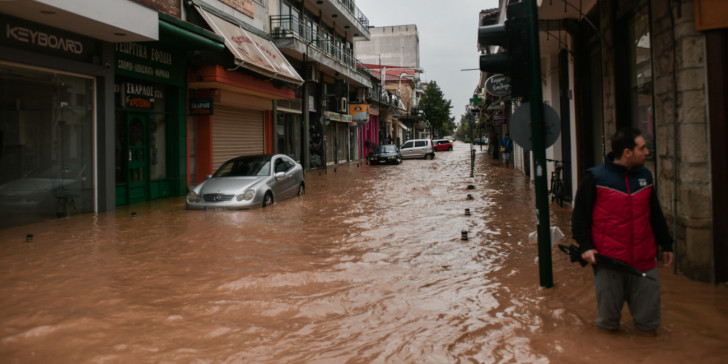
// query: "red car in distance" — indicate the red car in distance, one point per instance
point(441, 145)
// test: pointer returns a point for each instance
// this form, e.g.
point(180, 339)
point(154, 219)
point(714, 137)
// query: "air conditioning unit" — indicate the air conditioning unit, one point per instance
point(312, 74)
point(343, 105)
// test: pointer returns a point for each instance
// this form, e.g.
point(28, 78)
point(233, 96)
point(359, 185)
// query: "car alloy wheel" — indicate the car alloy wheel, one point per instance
point(267, 199)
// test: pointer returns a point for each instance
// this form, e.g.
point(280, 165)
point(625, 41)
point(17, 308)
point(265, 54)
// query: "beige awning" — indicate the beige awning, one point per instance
point(251, 51)
point(401, 125)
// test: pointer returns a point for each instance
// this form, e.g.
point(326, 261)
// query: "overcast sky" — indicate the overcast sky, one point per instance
point(448, 32)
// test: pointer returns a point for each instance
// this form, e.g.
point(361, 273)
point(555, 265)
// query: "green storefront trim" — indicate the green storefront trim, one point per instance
point(182, 34)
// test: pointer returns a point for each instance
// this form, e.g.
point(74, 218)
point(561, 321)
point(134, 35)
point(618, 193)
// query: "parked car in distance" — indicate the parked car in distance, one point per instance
point(442, 144)
point(417, 148)
point(480, 141)
point(248, 182)
point(385, 154)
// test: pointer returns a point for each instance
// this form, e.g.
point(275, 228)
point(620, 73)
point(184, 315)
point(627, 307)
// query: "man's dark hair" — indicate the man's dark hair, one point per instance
point(624, 138)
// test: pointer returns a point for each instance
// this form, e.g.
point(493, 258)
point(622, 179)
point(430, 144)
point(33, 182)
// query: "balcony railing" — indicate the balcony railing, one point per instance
point(291, 27)
point(354, 10)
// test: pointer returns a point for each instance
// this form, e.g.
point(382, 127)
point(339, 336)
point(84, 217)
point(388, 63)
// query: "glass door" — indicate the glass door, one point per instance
point(138, 163)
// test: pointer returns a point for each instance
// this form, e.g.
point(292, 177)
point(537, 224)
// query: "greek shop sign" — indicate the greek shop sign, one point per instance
point(39, 38)
point(498, 85)
point(139, 95)
point(201, 106)
point(151, 63)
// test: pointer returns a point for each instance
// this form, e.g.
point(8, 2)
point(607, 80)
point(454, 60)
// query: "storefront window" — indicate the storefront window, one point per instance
point(342, 145)
point(354, 143)
point(288, 134)
point(46, 144)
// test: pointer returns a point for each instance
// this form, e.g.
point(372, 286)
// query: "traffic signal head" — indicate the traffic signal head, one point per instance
point(511, 35)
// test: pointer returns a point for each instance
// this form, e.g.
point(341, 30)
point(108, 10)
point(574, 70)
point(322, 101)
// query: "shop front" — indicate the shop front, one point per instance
point(370, 131)
point(149, 113)
point(289, 129)
point(337, 138)
point(51, 82)
point(240, 120)
point(359, 124)
point(150, 106)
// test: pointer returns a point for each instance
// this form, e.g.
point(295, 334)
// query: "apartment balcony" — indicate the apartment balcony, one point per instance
point(347, 14)
point(301, 42)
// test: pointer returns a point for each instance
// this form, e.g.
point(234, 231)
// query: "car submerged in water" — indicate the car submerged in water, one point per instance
point(442, 145)
point(249, 182)
point(387, 153)
point(417, 148)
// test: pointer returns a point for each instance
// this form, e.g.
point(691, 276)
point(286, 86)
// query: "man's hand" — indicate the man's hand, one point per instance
point(589, 256)
point(667, 258)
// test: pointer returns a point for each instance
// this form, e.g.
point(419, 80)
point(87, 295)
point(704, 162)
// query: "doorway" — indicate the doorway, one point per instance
point(137, 171)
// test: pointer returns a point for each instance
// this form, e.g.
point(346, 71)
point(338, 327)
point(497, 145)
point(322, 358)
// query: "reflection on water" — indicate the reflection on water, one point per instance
point(368, 266)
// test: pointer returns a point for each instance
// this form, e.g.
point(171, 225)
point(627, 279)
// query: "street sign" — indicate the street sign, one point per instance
point(520, 126)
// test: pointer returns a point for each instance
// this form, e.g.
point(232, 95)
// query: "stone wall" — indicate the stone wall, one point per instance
point(682, 130)
point(681, 126)
point(608, 67)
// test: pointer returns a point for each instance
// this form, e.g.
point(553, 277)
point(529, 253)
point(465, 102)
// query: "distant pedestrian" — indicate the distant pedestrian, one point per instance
point(506, 149)
point(617, 215)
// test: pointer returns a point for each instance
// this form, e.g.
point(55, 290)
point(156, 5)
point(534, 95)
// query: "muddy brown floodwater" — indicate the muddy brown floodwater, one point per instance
point(368, 266)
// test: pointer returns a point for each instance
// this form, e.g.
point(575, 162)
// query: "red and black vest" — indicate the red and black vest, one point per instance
point(621, 226)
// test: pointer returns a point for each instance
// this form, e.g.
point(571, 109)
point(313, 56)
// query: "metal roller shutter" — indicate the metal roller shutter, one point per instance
point(236, 132)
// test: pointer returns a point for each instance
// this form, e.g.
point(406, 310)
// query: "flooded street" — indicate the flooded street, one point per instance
point(368, 266)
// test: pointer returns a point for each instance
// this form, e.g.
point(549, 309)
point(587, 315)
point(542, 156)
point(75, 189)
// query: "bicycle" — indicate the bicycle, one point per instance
point(557, 183)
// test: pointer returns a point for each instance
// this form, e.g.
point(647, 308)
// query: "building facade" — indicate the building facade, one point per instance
point(132, 102)
point(317, 37)
point(658, 66)
point(57, 130)
point(393, 55)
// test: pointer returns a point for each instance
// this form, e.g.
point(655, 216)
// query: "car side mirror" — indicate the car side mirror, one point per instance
point(280, 175)
point(208, 176)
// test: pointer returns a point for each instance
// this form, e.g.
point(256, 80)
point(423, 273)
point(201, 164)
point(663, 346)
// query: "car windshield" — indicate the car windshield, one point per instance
point(386, 149)
point(245, 167)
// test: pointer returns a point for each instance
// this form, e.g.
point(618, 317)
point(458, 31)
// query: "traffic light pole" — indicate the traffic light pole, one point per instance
point(538, 133)
point(522, 62)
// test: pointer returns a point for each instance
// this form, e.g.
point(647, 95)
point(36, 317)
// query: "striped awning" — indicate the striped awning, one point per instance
point(252, 51)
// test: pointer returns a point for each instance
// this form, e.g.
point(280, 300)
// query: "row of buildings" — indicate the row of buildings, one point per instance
point(122, 101)
point(657, 65)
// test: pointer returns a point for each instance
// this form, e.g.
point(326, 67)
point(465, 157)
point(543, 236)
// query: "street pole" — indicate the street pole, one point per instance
point(471, 119)
point(305, 143)
point(539, 149)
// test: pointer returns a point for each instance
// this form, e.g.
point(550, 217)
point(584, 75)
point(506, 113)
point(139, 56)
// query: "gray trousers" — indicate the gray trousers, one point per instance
point(641, 294)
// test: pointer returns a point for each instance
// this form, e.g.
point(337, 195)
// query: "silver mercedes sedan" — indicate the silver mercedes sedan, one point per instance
point(248, 182)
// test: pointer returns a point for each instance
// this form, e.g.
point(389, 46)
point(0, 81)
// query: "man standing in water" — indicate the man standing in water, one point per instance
point(617, 215)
